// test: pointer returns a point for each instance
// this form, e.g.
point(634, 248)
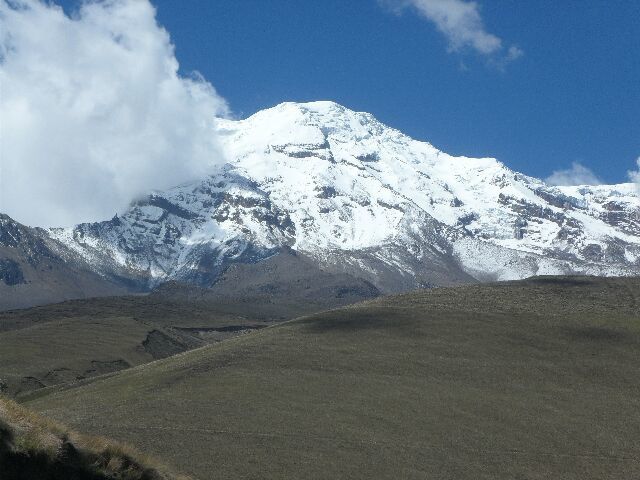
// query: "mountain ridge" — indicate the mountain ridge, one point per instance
point(37, 269)
point(361, 198)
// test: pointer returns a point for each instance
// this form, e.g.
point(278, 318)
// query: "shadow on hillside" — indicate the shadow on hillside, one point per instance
point(561, 281)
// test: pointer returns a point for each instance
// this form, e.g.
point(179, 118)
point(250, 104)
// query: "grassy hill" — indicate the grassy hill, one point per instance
point(35, 448)
point(535, 379)
point(77, 339)
point(69, 341)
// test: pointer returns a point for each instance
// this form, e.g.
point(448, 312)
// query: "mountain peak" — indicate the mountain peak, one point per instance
point(323, 115)
point(362, 198)
point(318, 107)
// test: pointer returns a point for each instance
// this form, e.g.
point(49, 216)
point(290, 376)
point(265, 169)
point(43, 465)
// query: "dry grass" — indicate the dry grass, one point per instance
point(31, 444)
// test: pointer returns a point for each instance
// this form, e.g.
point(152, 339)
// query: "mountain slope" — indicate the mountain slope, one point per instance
point(534, 379)
point(361, 198)
point(36, 269)
point(290, 277)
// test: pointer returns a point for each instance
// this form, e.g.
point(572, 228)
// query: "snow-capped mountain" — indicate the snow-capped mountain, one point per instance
point(362, 198)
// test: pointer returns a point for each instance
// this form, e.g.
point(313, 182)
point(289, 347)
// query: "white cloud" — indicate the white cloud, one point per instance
point(578, 174)
point(93, 111)
point(514, 53)
point(461, 23)
point(634, 175)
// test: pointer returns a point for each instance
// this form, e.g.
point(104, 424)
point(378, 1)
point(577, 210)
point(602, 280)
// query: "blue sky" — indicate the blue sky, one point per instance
point(573, 96)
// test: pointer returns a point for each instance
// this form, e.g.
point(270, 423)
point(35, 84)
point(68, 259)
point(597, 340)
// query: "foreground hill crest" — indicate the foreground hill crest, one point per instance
point(362, 198)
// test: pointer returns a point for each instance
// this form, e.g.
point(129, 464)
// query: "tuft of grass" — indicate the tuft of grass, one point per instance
point(34, 447)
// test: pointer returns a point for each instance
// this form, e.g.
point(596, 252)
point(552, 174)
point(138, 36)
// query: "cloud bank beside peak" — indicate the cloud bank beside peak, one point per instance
point(578, 174)
point(462, 25)
point(94, 111)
